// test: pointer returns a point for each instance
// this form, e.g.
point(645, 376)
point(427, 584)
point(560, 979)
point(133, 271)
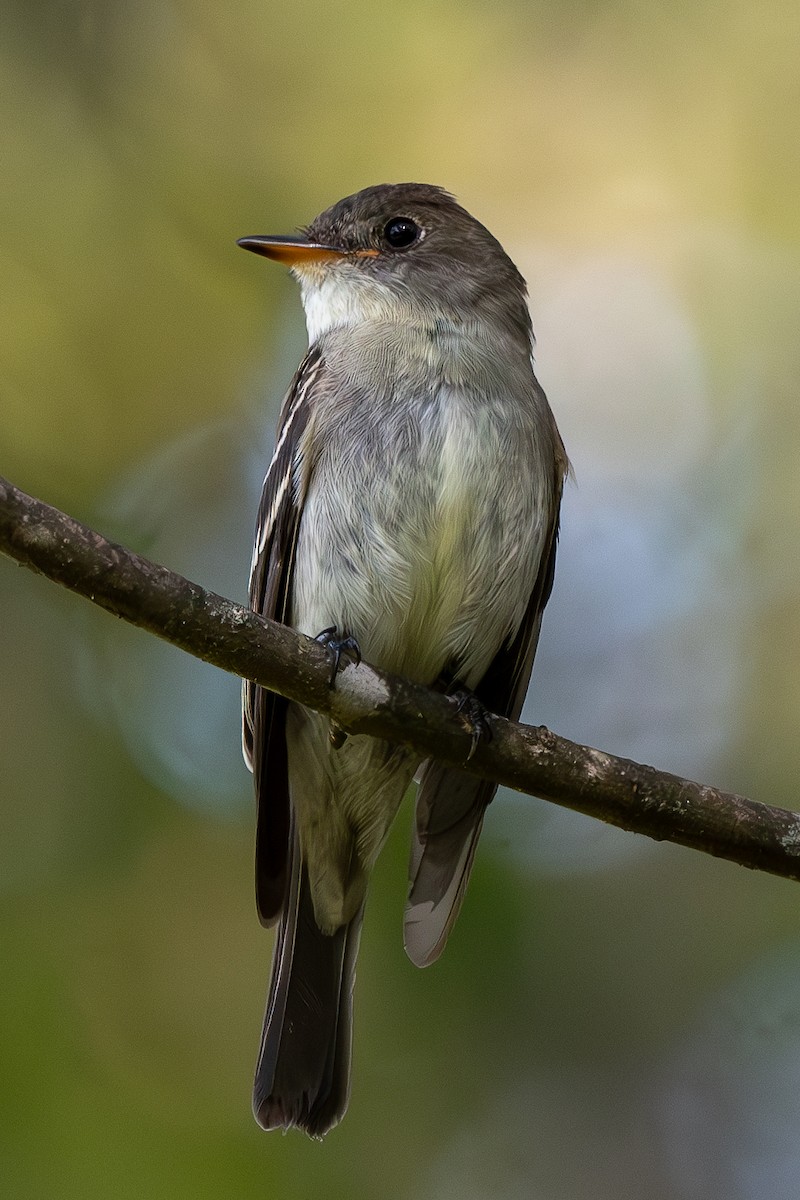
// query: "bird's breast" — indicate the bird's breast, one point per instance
point(423, 526)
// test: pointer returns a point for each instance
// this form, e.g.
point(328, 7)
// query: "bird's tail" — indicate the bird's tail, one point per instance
point(303, 1071)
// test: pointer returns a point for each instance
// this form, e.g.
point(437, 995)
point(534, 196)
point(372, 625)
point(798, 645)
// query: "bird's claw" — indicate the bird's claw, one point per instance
point(474, 717)
point(338, 647)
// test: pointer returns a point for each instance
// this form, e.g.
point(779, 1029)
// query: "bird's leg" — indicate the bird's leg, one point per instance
point(474, 716)
point(338, 646)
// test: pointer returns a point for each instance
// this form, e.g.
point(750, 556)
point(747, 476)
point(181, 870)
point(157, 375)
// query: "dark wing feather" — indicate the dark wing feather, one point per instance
point(264, 713)
point(451, 803)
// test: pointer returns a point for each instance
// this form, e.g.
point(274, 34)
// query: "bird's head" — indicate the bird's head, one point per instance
point(401, 252)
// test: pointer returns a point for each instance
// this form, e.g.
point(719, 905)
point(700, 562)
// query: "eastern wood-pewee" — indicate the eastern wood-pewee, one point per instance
point(409, 514)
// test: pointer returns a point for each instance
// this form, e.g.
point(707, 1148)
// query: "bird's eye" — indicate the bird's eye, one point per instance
point(401, 232)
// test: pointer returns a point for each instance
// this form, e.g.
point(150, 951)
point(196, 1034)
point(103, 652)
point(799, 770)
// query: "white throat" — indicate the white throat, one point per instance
point(339, 298)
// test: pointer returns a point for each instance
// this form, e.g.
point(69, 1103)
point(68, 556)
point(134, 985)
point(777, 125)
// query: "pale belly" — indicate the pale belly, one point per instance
point(429, 559)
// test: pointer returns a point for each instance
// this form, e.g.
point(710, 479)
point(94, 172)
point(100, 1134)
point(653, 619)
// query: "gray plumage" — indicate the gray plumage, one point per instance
point(412, 503)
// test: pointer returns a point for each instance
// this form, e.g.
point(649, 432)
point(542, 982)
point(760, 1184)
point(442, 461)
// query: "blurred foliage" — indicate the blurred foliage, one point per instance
point(640, 162)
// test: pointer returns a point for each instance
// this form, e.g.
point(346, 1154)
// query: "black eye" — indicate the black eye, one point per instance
point(401, 232)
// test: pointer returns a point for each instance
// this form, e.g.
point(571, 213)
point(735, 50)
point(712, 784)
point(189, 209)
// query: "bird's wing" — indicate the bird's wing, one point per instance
point(451, 803)
point(264, 713)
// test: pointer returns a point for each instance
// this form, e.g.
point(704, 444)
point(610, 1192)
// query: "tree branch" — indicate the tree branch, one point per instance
point(364, 700)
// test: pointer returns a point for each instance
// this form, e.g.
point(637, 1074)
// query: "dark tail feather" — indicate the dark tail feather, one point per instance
point(303, 1070)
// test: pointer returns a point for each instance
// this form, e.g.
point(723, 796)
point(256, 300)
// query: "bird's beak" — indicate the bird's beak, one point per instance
point(292, 251)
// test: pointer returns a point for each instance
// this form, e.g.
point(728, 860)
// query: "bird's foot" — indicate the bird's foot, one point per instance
point(474, 716)
point(338, 647)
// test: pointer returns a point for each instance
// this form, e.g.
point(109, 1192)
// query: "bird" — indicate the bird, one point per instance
point(409, 516)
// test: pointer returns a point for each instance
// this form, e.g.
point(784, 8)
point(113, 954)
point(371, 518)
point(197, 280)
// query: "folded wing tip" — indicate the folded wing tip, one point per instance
point(424, 935)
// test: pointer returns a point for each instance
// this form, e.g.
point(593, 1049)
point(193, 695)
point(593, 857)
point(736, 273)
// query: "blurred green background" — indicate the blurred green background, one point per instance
point(612, 1018)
